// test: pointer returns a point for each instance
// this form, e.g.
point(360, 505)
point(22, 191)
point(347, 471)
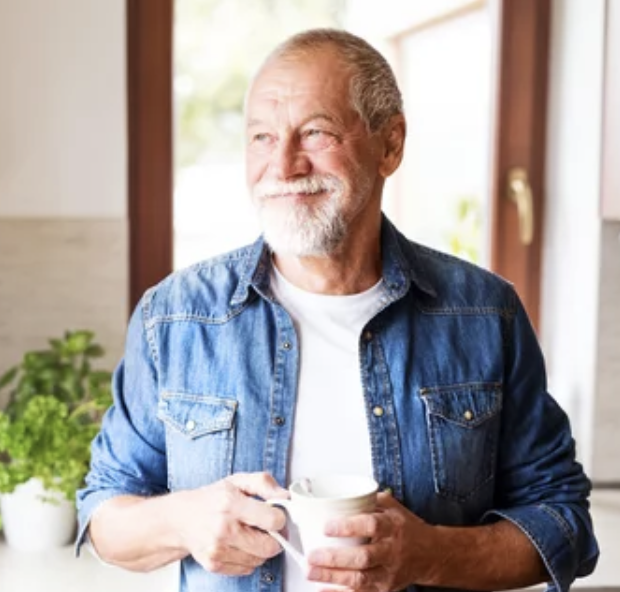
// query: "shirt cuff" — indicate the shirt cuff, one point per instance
point(554, 539)
point(88, 545)
point(86, 510)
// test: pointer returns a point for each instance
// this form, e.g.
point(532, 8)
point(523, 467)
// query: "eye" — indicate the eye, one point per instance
point(260, 138)
point(314, 133)
point(317, 139)
point(262, 142)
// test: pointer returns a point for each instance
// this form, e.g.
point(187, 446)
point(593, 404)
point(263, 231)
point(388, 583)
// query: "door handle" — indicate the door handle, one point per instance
point(520, 192)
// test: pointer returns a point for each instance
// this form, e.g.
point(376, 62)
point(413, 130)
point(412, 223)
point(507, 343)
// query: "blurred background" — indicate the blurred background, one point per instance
point(121, 160)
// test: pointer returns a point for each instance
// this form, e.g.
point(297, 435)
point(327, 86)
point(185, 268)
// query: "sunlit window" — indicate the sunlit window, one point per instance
point(443, 186)
point(218, 45)
point(440, 195)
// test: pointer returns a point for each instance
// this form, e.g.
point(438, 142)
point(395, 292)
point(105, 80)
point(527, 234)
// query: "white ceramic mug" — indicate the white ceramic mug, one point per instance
point(314, 502)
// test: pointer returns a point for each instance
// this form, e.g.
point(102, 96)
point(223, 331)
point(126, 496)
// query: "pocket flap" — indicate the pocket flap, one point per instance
point(467, 405)
point(196, 415)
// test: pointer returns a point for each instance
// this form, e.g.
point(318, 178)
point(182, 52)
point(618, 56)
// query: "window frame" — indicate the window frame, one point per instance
point(150, 138)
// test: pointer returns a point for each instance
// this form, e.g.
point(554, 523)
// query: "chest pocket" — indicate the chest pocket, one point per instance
point(200, 438)
point(463, 427)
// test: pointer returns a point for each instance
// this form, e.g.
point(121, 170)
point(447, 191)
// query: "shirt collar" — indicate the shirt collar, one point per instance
point(402, 264)
point(401, 267)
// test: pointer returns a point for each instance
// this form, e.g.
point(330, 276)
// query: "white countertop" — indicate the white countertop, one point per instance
point(60, 571)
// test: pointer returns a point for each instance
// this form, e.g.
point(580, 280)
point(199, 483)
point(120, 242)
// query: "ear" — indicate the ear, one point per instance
point(393, 136)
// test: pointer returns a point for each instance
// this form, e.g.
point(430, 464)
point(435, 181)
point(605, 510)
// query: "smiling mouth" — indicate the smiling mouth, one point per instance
point(297, 195)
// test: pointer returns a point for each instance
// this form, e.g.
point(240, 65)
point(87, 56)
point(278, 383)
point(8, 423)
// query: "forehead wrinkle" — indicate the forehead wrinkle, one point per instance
point(269, 104)
point(321, 115)
point(315, 116)
point(278, 98)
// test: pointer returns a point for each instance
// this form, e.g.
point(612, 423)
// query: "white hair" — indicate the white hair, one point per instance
point(374, 91)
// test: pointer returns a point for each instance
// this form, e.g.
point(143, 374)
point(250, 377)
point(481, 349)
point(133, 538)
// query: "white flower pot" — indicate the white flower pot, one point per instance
point(31, 524)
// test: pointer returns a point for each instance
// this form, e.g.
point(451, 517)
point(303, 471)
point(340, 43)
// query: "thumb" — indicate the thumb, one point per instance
point(262, 485)
point(387, 500)
point(253, 512)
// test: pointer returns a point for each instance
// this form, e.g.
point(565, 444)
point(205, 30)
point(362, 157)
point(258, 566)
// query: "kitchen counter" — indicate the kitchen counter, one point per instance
point(60, 571)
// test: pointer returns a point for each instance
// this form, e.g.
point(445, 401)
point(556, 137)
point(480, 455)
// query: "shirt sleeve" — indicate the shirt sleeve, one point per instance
point(128, 455)
point(541, 488)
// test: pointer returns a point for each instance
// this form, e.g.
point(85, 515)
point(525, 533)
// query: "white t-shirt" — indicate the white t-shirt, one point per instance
point(331, 432)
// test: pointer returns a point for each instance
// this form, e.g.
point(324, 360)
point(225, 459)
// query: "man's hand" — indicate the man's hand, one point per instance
point(218, 523)
point(405, 550)
point(396, 557)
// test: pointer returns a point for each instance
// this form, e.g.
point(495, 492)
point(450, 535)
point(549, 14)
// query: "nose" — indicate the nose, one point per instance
point(288, 161)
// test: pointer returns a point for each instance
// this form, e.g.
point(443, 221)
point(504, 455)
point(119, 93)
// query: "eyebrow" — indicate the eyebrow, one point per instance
point(253, 122)
point(321, 116)
point(317, 115)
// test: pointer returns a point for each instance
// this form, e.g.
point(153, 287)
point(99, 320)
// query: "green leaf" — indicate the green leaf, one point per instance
point(94, 351)
point(57, 344)
point(8, 376)
point(54, 412)
point(79, 341)
point(39, 359)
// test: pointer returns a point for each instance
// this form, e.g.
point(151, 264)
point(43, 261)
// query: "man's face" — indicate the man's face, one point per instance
point(312, 167)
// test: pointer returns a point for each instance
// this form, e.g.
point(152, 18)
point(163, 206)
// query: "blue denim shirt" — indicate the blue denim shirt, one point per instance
point(468, 434)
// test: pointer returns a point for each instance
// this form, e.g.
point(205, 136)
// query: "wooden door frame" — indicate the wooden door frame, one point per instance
point(525, 31)
point(150, 123)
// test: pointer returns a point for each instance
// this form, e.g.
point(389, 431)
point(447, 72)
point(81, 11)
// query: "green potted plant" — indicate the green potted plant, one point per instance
point(56, 400)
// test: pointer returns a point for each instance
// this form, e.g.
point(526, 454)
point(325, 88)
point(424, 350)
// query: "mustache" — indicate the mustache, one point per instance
point(310, 185)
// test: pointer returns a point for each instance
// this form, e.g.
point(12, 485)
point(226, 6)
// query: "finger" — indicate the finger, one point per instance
point(216, 556)
point(262, 485)
point(230, 533)
point(228, 569)
point(362, 557)
point(375, 525)
point(234, 501)
point(257, 543)
point(249, 554)
point(360, 581)
point(225, 528)
point(387, 501)
point(259, 514)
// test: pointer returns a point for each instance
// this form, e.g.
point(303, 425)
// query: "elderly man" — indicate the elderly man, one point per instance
point(335, 344)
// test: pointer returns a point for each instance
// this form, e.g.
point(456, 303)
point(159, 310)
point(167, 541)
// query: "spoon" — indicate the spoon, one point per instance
point(306, 485)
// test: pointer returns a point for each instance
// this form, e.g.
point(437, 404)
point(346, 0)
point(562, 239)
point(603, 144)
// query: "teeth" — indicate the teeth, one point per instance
point(310, 186)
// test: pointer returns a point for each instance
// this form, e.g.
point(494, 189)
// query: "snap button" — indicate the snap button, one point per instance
point(377, 411)
point(190, 425)
point(287, 345)
point(368, 335)
point(279, 421)
point(468, 415)
point(268, 577)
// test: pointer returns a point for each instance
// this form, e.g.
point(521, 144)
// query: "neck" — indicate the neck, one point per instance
point(353, 268)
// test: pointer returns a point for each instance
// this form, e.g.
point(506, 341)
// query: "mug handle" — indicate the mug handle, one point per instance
point(286, 545)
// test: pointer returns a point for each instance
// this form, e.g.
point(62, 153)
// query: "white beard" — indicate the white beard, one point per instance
point(301, 229)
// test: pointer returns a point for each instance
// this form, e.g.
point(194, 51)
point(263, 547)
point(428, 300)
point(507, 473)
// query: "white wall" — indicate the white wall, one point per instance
point(63, 173)
point(571, 257)
point(62, 108)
